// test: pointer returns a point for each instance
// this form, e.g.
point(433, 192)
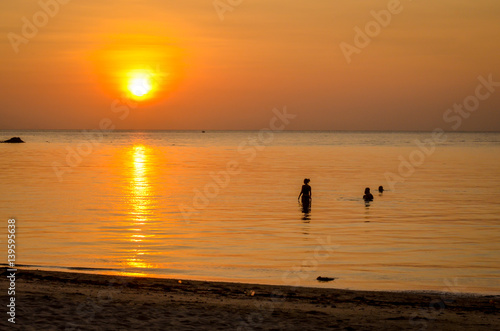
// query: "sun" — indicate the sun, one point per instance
point(137, 66)
point(141, 84)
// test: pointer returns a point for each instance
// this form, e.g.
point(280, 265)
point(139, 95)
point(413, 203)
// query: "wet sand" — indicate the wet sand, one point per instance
point(47, 300)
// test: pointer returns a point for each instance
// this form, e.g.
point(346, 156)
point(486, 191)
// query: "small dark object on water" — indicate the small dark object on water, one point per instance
point(381, 189)
point(202, 131)
point(368, 196)
point(13, 140)
point(324, 279)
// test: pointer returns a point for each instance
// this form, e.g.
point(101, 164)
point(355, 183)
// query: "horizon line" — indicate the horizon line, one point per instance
point(243, 130)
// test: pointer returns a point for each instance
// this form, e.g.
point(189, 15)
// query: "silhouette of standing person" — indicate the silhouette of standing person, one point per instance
point(368, 196)
point(306, 194)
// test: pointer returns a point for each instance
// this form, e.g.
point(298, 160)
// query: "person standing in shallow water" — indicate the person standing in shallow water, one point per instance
point(368, 196)
point(306, 194)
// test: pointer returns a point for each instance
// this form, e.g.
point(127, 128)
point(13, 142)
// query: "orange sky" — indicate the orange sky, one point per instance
point(229, 74)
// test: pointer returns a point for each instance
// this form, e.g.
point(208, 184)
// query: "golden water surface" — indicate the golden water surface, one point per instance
point(223, 206)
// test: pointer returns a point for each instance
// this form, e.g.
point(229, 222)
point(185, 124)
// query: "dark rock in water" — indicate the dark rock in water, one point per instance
point(324, 279)
point(13, 140)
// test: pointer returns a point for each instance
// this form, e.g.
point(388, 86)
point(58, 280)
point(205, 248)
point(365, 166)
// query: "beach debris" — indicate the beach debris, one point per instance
point(324, 279)
point(250, 293)
point(13, 140)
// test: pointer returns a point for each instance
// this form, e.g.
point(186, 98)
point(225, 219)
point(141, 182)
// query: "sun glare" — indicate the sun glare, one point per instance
point(141, 84)
point(139, 67)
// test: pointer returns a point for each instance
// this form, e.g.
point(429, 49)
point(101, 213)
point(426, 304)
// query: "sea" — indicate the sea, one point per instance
point(223, 206)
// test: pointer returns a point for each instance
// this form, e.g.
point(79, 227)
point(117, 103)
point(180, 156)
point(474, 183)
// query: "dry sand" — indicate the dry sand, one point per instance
point(47, 300)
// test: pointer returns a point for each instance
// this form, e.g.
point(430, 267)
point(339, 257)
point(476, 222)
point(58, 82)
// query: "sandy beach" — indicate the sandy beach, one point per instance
point(48, 300)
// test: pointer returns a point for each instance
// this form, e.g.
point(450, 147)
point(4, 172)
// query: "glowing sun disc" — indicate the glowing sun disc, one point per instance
point(140, 85)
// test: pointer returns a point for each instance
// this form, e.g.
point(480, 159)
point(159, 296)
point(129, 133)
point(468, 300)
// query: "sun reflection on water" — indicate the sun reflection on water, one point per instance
point(140, 207)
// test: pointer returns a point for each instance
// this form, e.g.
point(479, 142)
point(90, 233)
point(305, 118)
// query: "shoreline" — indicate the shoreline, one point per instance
point(53, 300)
point(118, 273)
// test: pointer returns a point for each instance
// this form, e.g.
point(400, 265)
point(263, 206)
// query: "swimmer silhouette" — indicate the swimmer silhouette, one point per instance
point(368, 196)
point(380, 189)
point(306, 194)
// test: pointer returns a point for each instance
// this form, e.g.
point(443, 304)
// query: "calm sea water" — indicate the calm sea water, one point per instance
point(223, 206)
